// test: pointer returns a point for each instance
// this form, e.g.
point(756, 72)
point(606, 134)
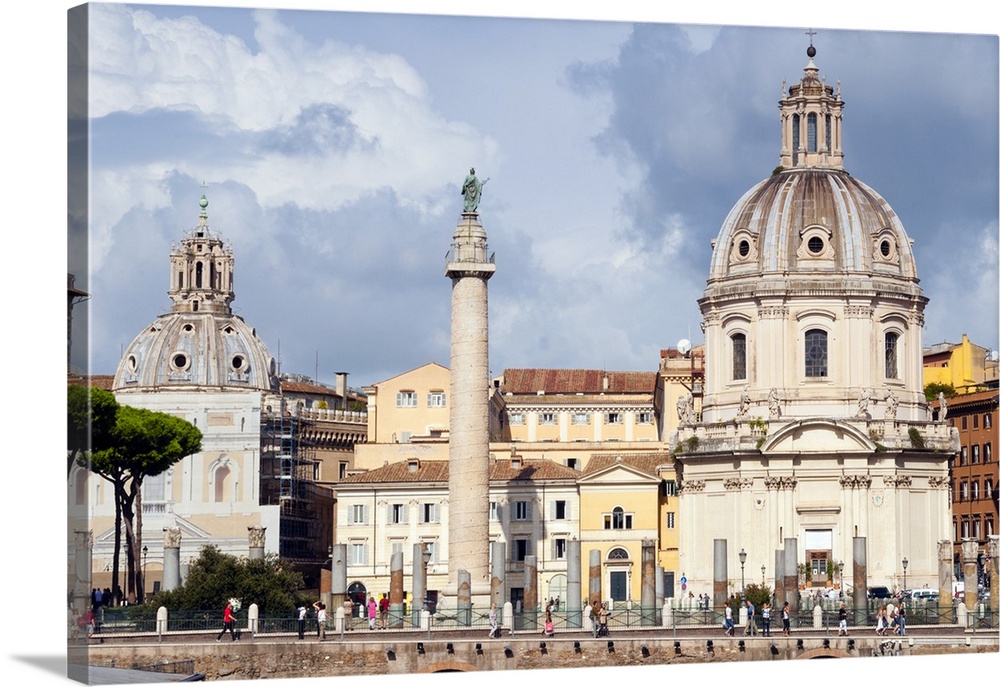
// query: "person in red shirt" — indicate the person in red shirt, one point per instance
point(383, 612)
point(227, 623)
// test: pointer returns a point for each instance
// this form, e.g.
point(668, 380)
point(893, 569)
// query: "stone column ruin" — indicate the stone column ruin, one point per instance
point(171, 558)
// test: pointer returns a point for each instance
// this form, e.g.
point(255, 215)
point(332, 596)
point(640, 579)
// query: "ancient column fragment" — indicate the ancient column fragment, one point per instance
point(720, 573)
point(171, 558)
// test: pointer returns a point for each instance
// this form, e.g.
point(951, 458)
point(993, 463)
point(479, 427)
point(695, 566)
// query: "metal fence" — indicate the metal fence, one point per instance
point(126, 621)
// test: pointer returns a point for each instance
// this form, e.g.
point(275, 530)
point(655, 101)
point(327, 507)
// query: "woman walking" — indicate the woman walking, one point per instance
point(786, 620)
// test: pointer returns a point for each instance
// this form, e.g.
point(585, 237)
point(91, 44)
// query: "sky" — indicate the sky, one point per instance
point(332, 146)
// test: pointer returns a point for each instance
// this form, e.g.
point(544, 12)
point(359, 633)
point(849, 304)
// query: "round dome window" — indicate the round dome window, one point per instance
point(131, 363)
point(885, 248)
point(179, 361)
point(815, 245)
point(239, 363)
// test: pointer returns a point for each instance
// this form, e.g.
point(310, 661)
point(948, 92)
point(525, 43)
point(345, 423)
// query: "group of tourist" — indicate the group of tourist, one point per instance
point(890, 617)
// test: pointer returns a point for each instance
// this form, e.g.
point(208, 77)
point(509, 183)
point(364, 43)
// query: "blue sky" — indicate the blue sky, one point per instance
point(333, 145)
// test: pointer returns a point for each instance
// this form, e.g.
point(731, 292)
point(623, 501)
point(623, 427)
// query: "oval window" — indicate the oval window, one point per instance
point(885, 248)
point(815, 245)
point(744, 248)
point(180, 361)
point(239, 362)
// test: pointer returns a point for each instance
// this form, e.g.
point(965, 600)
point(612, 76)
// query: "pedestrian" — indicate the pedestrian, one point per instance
point(751, 628)
point(320, 620)
point(227, 622)
point(786, 620)
point(880, 621)
point(383, 612)
point(372, 611)
point(602, 617)
point(302, 620)
point(842, 621)
point(728, 626)
point(549, 627)
point(765, 618)
point(494, 626)
point(348, 612)
point(900, 620)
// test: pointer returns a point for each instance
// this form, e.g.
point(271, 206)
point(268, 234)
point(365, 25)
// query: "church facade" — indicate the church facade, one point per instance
point(813, 426)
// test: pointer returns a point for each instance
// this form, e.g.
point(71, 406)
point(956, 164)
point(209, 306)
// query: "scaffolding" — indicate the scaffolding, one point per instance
point(287, 464)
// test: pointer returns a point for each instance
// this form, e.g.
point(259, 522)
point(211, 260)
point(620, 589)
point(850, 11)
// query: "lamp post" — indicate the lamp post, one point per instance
point(145, 551)
point(762, 569)
point(743, 579)
point(840, 567)
point(905, 563)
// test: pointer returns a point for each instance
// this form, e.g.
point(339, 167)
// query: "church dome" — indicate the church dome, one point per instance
point(812, 307)
point(200, 343)
point(813, 221)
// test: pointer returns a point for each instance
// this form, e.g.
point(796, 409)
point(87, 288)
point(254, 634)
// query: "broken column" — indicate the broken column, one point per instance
point(530, 612)
point(498, 574)
point(255, 534)
point(946, 562)
point(396, 598)
point(594, 578)
point(647, 595)
point(419, 582)
point(464, 597)
point(792, 573)
point(860, 579)
point(574, 594)
point(171, 558)
point(970, 552)
point(720, 573)
point(338, 576)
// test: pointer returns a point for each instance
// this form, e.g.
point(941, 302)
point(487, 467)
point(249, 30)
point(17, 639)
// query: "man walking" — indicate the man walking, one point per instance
point(751, 628)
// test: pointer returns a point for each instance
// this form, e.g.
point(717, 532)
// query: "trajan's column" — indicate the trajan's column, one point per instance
point(469, 268)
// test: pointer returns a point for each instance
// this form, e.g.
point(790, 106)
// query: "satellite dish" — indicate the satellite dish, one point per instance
point(684, 346)
point(994, 355)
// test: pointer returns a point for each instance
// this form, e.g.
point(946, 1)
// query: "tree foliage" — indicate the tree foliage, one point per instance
point(143, 443)
point(270, 582)
point(91, 415)
point(931, 390)
point(756, 593)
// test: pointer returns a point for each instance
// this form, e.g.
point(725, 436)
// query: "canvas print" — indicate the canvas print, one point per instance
point(409, 343)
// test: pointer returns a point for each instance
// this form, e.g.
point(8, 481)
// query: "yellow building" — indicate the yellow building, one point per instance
point(964, 366)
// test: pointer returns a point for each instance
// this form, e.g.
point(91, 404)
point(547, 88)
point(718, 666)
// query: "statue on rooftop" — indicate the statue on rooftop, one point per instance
point(472, 191)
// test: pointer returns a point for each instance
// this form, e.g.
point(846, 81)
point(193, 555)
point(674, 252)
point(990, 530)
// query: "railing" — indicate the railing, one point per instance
point(139, 621)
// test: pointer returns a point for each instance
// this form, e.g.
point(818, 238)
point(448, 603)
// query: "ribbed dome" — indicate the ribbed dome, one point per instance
point(200, 343)
point(196, 350)
point(812, 220)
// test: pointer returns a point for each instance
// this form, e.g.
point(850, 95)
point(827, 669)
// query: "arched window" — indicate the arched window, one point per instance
point(891, 357)
point(811, 131)
point(829, 137)
point(739, 356)
point(816, 353)
point(618, 554)
point(221, 477)
point(795, 138)
point(197, 275)
point(80, 494)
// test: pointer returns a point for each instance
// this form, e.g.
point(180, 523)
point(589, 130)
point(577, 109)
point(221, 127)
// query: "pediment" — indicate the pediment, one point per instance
point(619, 473)
point(818, 436)
point(189, 532)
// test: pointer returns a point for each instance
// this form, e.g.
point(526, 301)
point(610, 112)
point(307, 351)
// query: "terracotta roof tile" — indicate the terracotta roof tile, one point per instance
point(645, 462)
point(437, 471)
point(555, 381)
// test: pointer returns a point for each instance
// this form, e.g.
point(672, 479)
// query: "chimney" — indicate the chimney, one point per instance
point(341, 388)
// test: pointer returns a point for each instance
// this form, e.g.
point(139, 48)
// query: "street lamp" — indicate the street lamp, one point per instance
point(743, 579)
point(145, 551)
point(762, 569)
point(905, 563)
point(840, 567)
